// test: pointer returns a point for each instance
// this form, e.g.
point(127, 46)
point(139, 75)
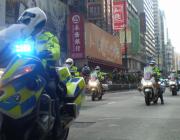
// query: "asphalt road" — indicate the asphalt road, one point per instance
point(124, 116)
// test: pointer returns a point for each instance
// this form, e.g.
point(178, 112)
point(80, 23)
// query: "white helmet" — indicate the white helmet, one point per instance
point(97, 68)
point(70, 62)
point(34, 18)
point(152, 62)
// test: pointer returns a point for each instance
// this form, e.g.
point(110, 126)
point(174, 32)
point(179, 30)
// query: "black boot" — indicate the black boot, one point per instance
point(162, 100)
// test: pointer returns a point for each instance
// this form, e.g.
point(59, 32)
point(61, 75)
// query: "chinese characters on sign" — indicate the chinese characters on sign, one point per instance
point(119, 15)
point(94, 10)
point(76, 36)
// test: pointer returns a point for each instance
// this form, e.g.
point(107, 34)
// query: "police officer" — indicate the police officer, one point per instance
point(46, 46)
point(157, 75)
point(73, 69)
point(99, 73)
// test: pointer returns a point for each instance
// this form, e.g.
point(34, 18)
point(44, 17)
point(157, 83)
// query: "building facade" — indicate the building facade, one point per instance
point(145, 11)
point(170, 56)
point(134, 51)
point(98, 35)
point(177, 61)
point(157, 33)
point(162, 41)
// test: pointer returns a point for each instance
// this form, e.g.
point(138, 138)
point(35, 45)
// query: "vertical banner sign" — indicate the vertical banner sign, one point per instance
point(119, 15)
point(76, 36)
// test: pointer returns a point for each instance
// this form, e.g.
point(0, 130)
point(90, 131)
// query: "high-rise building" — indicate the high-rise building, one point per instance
point(157, 31)
point(145, 11)
point(162, 40)
point(169, 56)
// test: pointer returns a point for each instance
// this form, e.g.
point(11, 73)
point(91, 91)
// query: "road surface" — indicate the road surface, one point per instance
point(124, 116)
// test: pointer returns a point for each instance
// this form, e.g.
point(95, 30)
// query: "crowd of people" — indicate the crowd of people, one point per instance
point(120, 77)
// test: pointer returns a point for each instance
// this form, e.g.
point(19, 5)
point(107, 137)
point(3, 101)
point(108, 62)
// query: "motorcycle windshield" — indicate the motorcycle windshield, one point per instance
point(148, 73)
point(172, 77)
point(147, 76)
point(93, 76)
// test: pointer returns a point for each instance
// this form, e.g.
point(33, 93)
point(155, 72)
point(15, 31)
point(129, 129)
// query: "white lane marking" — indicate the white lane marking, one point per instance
point(110, 103)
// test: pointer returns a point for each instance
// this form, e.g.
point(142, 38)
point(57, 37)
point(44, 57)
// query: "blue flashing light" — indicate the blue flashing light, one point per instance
point(23, 48)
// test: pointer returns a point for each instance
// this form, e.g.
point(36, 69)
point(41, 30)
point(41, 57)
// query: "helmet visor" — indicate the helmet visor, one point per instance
point(26, 18)
point(69, 63)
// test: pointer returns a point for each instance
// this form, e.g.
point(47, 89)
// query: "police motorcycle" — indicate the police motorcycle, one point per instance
point(173, 85)
point(95, 87)
point(27, 110)
point(149, 87)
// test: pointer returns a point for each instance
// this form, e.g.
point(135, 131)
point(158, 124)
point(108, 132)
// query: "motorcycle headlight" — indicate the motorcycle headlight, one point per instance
point(147, 83)
point(93, 84)
point(172, 83)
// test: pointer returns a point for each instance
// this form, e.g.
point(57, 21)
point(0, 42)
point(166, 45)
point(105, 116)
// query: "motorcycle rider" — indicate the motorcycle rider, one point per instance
point(99, 73)
point(156, 74)
point(46, 46)
point(174, 75)
point(86, 70)
point(73, 69)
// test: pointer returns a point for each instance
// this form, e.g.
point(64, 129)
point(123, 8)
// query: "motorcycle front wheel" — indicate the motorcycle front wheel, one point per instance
point(147, 100)
point(93, 96)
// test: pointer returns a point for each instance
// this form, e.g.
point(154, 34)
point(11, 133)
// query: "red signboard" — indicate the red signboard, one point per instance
point(119, 15)
point(76, 36)
point(94, 10)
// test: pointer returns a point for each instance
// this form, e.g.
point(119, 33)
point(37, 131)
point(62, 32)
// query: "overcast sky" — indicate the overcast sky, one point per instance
point(172, 13)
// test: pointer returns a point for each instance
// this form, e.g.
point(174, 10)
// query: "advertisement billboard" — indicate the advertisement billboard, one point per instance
point(94, 10)
point(102, 45)
point(76, 36)
point(119, 15)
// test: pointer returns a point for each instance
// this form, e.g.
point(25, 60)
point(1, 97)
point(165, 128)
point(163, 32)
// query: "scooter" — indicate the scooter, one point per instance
point(95, 87)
